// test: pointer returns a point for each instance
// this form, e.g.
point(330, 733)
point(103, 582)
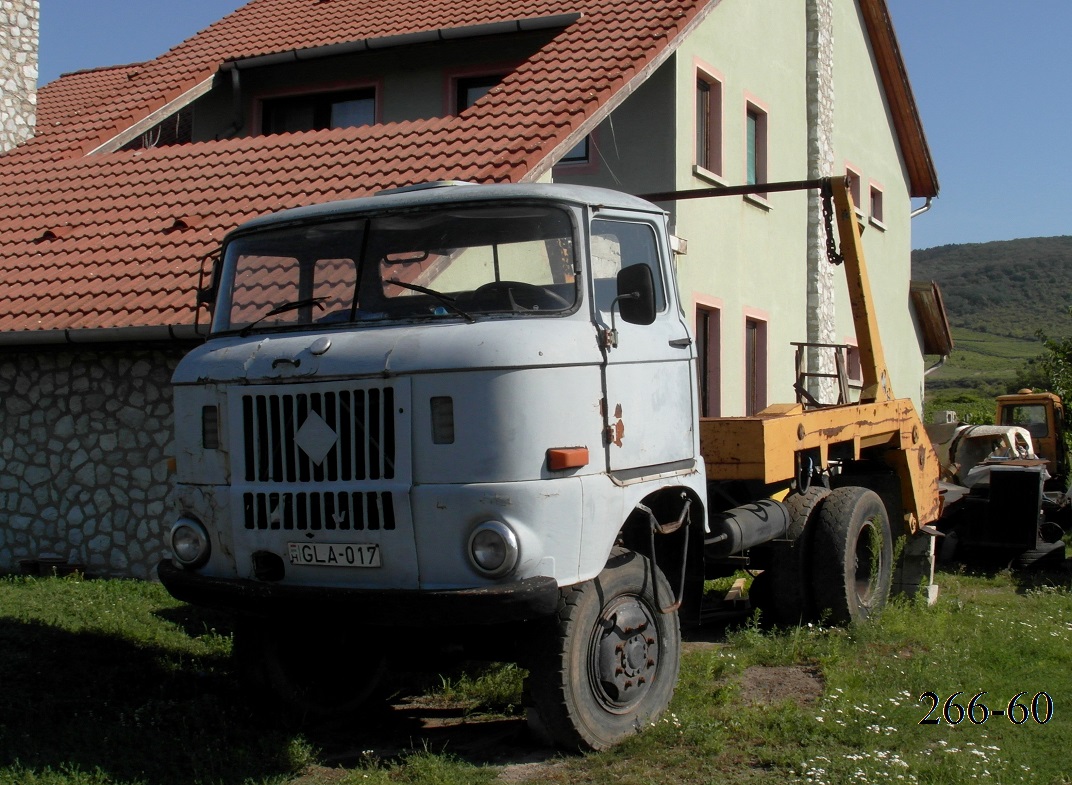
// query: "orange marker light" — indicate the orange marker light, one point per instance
point(559, 458)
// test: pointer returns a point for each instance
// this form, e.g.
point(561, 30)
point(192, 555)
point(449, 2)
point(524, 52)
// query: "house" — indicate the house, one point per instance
point(136, 172)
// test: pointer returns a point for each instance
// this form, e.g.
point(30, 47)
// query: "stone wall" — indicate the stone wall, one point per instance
point(820, 87)
point(18, 70)
point(85, 443)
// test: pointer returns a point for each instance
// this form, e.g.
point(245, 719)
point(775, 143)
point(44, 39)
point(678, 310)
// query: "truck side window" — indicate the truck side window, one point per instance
point(1030, 416)
point(618, 244)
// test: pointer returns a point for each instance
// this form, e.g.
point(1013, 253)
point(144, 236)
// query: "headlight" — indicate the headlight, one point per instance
point(493, 549)
point(189, 542)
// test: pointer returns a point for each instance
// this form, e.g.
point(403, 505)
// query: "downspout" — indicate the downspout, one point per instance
point(923, 209)
point(919, 211)
point(238, 109)
point(937, 365)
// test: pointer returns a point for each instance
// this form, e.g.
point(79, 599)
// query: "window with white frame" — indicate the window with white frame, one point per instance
point(875, 207)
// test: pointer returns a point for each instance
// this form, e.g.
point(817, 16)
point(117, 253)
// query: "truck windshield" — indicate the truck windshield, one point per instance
point(459, 262)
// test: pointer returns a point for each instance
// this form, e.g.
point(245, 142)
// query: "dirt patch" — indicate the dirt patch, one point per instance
point(536, 771)
point(767, 686)
point(412, 724)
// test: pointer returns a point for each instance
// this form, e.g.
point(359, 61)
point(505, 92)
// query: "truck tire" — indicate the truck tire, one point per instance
point(791, 600)
point(612, 662)
point(852, 552)
point(1046, 554)
point(313, 673)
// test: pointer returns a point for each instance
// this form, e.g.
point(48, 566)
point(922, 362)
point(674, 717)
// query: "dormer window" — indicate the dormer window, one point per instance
point(471, 89)
point(318, 111)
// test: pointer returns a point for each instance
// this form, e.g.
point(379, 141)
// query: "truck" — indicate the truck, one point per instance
point(1043, 415)
point(462, 420)
point(1006, 499)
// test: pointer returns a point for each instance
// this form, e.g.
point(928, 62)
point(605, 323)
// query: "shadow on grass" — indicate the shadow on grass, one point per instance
point(195, 621)
point(88, 702)
point(1051, 570)
point(1053, 575)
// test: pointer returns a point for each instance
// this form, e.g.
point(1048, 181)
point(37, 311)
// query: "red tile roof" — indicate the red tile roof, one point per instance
point(64, 99)
point(114, 240)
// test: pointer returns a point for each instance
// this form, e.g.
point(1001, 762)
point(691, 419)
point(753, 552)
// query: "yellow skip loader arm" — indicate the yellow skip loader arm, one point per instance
point(769, 446)
point(776, 445)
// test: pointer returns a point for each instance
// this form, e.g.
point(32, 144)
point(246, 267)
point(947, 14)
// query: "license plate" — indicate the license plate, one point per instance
point(329, 554)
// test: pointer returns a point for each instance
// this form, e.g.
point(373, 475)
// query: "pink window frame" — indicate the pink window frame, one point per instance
point(856, 188)
point(455, 75)
point(877, 220)
point(713, 343)
point(715, 152)
point(762, 354)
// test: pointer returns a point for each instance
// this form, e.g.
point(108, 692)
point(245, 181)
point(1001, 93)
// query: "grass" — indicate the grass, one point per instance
point(112, 682)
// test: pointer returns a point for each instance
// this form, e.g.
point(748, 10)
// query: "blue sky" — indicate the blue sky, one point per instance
point(993, 80)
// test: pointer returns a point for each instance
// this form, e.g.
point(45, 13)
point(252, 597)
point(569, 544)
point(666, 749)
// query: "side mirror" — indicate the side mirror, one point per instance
point(206, 294)
point(636, 294)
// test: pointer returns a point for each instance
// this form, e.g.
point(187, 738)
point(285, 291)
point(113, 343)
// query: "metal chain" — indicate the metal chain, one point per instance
point(832, 254)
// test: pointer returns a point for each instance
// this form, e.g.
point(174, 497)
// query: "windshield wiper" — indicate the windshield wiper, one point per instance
point(291, 306)
point(446, 300)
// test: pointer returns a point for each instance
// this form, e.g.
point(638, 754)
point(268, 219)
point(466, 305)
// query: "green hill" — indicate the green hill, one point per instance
point(997, 296)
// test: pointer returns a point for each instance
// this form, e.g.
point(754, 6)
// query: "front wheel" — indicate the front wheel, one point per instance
point(313, 672)
point(612, 662)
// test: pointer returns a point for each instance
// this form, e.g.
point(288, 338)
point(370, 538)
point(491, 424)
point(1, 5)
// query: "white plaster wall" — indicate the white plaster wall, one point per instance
point(750, 257)
point(863, 137)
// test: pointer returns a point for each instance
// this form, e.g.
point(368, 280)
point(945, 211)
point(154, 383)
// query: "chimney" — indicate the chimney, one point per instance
point(19, 35)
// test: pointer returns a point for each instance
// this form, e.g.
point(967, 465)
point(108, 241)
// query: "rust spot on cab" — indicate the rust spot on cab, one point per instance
point(614, 432)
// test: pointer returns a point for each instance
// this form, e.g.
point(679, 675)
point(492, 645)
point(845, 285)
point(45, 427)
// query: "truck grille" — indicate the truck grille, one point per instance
point(317, 511)
point(342, 435)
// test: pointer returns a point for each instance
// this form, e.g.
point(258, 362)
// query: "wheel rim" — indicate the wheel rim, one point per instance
point(623, 654)
point(868, 555)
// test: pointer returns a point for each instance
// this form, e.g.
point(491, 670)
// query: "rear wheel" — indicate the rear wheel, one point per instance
point(612, 663)
point(791, 600)
point(852, 555)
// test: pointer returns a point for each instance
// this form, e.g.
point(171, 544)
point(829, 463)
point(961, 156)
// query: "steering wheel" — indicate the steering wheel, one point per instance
point(520, 296)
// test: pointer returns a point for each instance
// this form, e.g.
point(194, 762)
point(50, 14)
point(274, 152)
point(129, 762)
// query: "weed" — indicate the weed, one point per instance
point(495, 687)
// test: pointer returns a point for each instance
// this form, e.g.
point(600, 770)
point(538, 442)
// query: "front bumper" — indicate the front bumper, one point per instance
point(524, 600)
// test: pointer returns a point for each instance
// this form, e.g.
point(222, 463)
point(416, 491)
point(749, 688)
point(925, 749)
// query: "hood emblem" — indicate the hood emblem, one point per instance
point(316, 438)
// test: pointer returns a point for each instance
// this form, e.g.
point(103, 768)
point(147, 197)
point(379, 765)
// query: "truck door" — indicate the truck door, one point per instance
point(649, 397)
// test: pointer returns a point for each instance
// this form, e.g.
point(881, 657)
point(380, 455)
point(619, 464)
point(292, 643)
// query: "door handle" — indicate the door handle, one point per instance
point(681, 343)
